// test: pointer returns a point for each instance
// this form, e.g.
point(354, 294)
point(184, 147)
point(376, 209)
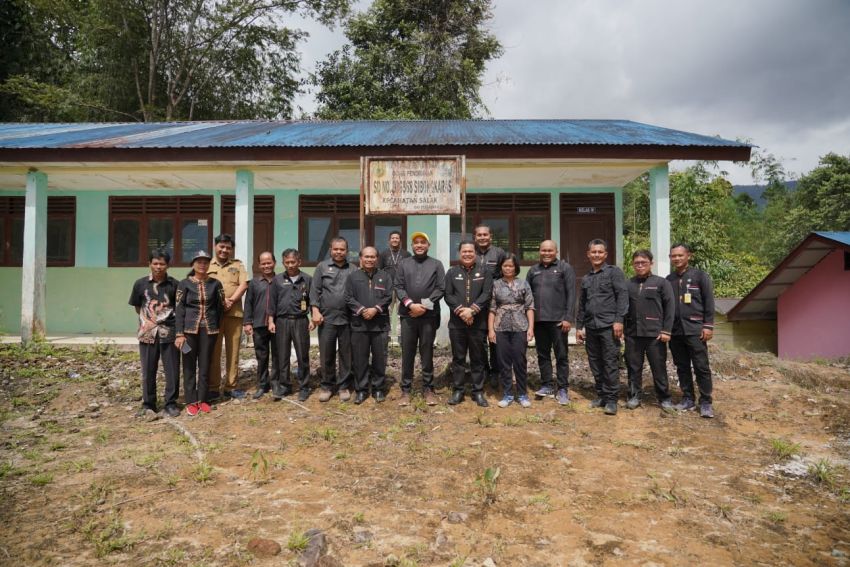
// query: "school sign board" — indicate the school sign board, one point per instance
point(413, 185)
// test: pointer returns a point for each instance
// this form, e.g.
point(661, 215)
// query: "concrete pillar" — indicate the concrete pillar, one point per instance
point(441, 250)
point(33, 277)
point(659, 218)
point(245, 217)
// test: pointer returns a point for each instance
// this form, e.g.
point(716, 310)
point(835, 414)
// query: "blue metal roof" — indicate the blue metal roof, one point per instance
point(366, 133)
point(842, 237)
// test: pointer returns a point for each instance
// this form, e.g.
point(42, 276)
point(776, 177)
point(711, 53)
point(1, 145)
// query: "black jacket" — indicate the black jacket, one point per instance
point(258, 304)
point(364, 290)
point(416, 279)
point(604, 298)
point(491, 260)
point(290, 299)
point(468, 288)
point(691, 318)
point(652, 307)
point(389, 260)
point(198, 304)
point(328, 291)
point(554, 289)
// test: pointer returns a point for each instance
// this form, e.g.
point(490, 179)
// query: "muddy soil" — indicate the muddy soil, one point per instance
point(85, 482)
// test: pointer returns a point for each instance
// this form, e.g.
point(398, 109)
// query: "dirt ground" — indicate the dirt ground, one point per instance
point(84, 482)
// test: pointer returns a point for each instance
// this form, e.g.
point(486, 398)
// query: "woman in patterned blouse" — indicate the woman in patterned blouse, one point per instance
point(510, 325)
point(198, 310)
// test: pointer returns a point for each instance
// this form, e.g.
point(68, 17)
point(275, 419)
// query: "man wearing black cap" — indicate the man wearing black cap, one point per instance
point(420, 285)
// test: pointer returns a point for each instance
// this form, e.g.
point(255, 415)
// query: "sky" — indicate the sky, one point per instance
point(775, 72)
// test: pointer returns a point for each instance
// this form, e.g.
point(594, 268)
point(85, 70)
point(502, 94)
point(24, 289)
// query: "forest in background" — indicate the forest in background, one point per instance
point(152, 60)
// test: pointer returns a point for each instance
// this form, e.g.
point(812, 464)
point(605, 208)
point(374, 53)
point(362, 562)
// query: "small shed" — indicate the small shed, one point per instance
point(808, 297)
point(750, 335)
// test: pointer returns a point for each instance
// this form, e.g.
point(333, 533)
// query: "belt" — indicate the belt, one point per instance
point(303, 315)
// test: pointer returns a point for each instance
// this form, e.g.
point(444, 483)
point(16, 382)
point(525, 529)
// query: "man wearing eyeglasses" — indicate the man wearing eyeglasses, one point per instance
point(649, 323)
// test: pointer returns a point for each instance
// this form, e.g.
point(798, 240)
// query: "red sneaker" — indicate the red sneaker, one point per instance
point(192, 409)
point(204, 407)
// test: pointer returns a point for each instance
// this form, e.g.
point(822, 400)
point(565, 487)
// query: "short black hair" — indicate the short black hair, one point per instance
point(365, 247)
point(681, 245)
point(464, 242)
point(159, 253)
point(597, 242)
point(226, 238)
point(339, 239)
point(490, 230)
point(642, 253)
point(398, 232)
point(291, 252)
point(510, 257)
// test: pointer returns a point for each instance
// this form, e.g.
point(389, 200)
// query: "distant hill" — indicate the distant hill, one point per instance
point(755, 191)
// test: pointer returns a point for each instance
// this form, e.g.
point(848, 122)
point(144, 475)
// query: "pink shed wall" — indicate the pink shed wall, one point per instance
point(813, 315)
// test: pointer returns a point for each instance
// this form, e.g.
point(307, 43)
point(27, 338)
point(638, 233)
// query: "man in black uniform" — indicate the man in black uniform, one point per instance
point(330, 315)
point(388, 261)
point(553, 284)
point(603, 304)
point(153, 296)
point(420, 285)
point(255, 321)
point(649, 323)
point(468, 289)
point(489, 258)
point(693, 327)
point(368, 293)
point(290, 299)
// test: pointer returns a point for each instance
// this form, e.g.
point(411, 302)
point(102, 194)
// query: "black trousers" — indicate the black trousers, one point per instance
point(469, 340)
point(492, 365)
point(512, 348)
point(418, 333)
point(603, 352)
point(265, 345)
point(335, 343)
point(291, 333)
point(369, 346)
point(150, 355)
point(656, 352)
point(196, 366)
point(548, 337)
point(689, 351)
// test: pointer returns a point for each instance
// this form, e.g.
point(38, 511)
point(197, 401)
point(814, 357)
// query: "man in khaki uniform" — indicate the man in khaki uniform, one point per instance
point(234, 279)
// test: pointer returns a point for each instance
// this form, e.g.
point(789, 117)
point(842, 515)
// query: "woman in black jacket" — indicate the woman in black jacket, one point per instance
point(198, 311)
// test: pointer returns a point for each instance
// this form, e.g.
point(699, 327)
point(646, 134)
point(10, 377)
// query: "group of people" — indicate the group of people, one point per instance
point(493, 316)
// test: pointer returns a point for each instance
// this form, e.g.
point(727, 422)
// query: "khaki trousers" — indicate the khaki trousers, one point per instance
point(231, 334)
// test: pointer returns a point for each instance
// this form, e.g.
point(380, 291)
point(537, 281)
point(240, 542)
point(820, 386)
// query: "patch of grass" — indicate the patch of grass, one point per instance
point(21, 403)
point(171, 558)
point(482, 420)
point(358, 518)
point(102, 436)
point(458, 561)
point(776, 517)
point(108, 537)
point(57, 446)
point(418, 404)
point(41, 479)
point(297, 542)
point(666, 494)
point(203, 472)
point(488, 484)
point(329, 434)
point(259, 467)
point(844, 494)
point(410, 421)
point(823, 472)
point(81, 465)
point(148, 461)
point(341, 456)
point(513, 421)
point(632, 443)
point(541, 501)
point(6, 469)
point(783, 449)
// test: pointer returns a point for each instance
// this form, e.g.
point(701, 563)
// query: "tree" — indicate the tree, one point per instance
point(409, 60)
point(174, 59)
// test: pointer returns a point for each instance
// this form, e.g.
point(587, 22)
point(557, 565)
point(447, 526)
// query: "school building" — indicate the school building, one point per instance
point(82, 204)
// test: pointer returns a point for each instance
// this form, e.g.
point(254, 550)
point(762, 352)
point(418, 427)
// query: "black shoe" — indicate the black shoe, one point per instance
point(303, 395)
point(213, 397)
point(457, 397)
point(380, 396)
point(597, 403)
point(611, 408)
point(171, 411)
point(361, 397)
point(633, 403)
point(259, 393)
point(478, 398)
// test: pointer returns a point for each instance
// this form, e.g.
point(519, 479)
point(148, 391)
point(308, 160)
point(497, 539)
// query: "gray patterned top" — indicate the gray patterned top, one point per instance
point(509, 304)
